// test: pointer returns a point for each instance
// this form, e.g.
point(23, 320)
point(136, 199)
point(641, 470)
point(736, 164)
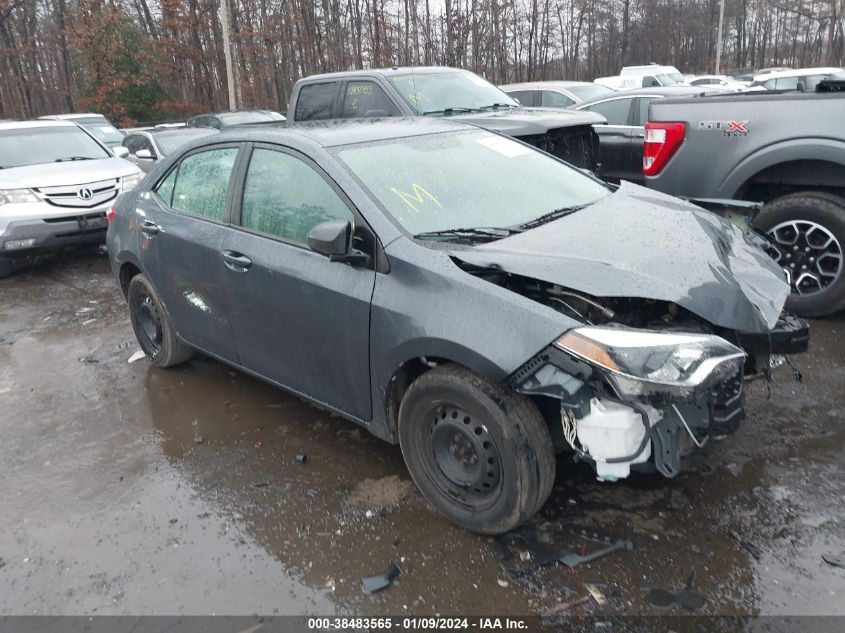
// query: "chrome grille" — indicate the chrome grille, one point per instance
point(82, 196)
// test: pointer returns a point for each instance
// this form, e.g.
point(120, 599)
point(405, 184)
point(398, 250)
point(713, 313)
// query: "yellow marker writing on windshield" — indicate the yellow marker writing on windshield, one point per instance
point(416, 196)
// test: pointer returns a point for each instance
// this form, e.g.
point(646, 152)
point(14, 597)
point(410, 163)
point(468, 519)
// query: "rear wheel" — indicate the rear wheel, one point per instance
point(153, 327)
point(808, 232)
point(480, 454)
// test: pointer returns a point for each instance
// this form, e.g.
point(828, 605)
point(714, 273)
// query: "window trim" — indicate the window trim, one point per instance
point(227, 208)
point(240, 187)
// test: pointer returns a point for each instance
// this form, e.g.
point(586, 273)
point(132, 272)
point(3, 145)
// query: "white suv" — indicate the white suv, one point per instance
point(56, 183)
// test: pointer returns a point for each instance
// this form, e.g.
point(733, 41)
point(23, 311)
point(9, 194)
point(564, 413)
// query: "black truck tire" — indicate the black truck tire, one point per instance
point(152, 325)
point(480, 454)
point(808, 230)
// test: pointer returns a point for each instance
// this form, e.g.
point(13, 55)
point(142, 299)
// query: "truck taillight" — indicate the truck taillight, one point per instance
point(662, 140)
point(110, 214)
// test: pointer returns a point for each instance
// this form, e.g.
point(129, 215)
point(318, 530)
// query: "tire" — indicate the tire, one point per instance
point(152, 325)
point(480, 454)
point(800, 223)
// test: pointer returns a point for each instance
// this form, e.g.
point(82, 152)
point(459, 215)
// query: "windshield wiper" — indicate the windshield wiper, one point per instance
point(450, 110)
point(470, 234)
point(551, 215)
point(496, 106)
point(70, 158)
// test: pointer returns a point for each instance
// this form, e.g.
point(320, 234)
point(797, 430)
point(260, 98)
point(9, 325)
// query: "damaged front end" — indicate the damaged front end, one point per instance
point(670, 309)
point(643, 383)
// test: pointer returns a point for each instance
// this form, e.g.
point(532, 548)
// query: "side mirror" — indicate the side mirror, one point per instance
point(332, 239)
point(120, 151)
point(144, 153)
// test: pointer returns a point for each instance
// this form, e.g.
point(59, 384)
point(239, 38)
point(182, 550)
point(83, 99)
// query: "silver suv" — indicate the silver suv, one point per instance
point(56, 183)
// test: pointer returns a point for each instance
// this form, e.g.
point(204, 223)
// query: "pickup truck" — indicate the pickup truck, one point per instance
point(784, 150)
point(445, 92)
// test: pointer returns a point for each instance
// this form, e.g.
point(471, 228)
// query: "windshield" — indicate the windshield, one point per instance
point(677, 77)
point(466, 179)
point(435, 92)
point(667, 80)
point(37, 145)
point(590, 91)
point(241, 118)
point(170, 141)
point(102, 129)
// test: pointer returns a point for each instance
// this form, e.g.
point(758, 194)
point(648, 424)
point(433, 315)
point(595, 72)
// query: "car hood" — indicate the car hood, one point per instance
point(530, 121)
point(69, 173)
point(644, 244)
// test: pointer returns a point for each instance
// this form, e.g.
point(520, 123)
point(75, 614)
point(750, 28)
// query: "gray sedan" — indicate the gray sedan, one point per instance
point(392, 272)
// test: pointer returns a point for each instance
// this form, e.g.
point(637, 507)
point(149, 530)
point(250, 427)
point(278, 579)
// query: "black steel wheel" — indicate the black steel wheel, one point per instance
point(152, 325)
point(479, 453)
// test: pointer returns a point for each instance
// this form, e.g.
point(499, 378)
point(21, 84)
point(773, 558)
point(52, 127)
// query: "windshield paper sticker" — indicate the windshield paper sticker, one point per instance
point(505, 146)
point(418, 196)
point(727, 128)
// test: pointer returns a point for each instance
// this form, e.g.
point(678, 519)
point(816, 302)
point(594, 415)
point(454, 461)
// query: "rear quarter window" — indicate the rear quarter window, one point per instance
point(316, 101)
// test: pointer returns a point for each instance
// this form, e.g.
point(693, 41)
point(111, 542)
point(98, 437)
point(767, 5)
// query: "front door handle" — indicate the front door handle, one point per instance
point(150, 228)
point(236, 261)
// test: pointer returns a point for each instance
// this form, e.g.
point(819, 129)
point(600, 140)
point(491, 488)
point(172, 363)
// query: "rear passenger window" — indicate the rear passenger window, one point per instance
point(366, 99)
point(525, 97)
point(202, 182)
point(316, 101)
point(286, 197)
point(615, 111)
point(553, 99)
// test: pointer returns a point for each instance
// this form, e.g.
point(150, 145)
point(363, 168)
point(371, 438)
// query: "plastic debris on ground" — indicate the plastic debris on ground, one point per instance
point(750, 547)
point(301, 458)
point(837, 559)
point(529, 548)
point(136, 356)
point(686, 597)
point(371, 584)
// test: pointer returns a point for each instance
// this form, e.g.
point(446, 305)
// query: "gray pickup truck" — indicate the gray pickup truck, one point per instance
point(441, 91)
point(785, 150)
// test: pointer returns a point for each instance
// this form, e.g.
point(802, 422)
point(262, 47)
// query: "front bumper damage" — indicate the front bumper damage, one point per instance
point(655, 431)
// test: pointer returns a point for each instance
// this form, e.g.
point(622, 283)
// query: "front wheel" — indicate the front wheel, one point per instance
point(808, 231)
point(153, 327)
point(480, 454)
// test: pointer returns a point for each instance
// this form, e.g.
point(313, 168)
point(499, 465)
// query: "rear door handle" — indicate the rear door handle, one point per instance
point(150, 228)
point(236, 261)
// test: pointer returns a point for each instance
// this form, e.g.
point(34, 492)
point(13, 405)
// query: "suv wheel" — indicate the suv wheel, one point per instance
point(808, 231)
point(153, 327)
point(480, 454)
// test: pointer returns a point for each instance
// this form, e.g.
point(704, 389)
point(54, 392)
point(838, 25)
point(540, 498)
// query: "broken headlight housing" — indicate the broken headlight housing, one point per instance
point(643, 362)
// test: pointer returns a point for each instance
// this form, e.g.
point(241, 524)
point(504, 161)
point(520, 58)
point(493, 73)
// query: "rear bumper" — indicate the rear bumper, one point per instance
point(25, 237)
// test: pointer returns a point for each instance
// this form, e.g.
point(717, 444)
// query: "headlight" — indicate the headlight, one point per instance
point(643, 361)
point(130, 182)
point(17, 196)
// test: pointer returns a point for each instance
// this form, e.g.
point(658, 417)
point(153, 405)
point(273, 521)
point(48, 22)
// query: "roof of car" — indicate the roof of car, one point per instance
point(800, 72)
point(21, 125)
point(75, 115)
point(537, 85)
point(663, 91)
point(388, 72)
point(345, 131)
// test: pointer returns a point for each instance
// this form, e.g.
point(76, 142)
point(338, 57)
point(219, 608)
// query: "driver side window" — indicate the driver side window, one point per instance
point(285, 197)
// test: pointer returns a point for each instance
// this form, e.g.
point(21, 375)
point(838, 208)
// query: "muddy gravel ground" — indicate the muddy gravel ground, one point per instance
point(127, 489)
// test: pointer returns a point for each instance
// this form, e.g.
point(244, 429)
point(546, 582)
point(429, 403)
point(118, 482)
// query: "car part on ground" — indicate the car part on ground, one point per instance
point(785, 150)
point(315, 258)
point(371, 584)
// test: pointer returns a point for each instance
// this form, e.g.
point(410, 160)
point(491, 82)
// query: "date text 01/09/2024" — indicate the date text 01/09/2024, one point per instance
point(417, 623)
